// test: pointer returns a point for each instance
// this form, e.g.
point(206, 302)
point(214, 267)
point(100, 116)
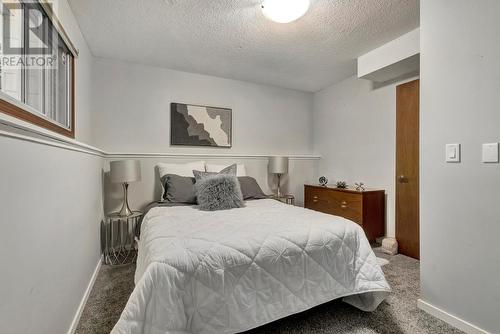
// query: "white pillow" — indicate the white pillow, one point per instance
point(178, 169)
point(240, 169)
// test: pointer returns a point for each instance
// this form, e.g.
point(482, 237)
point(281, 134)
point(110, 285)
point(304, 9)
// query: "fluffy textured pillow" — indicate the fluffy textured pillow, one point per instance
point(179, 189)
point(240, 171)
point(229, 170)
point(178, 169)
point(218, 192)
point(250, 188)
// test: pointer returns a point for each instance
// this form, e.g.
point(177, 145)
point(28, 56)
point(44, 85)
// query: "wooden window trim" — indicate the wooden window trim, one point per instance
point(32, 118)
point(21, 113)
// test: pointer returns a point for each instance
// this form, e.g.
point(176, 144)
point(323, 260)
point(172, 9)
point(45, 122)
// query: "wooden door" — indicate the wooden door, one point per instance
point(407, 168)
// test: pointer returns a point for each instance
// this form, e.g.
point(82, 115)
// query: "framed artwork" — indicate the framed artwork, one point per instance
point(193, 125)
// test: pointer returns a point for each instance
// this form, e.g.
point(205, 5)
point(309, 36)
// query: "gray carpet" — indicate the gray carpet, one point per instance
point(398, 314)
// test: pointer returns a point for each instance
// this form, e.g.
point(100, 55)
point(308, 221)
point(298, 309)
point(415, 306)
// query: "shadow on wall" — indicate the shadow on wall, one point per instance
point(272, 183)
point(398, 80)
point(113, 192)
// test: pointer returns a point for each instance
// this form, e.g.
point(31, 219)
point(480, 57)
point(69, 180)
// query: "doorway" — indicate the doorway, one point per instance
point(407, 168)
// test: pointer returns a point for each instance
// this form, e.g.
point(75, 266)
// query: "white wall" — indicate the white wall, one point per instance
point(51, 207)
point(133, 116)
point(83, 70)
point(132, 104)
point(460, 211)
point(301, 170)
point(355, 133)
point(392, 60)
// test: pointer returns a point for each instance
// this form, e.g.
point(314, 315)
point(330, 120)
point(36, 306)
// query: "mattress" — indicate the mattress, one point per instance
point(232, 270)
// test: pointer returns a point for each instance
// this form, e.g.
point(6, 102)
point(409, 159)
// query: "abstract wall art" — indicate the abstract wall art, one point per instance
point(194, 125)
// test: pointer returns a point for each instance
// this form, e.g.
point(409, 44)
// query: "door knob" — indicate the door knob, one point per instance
point(403, 179)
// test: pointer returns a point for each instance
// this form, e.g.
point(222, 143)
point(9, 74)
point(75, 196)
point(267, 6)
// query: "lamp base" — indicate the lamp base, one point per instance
point(279, 185)
point(125, 210)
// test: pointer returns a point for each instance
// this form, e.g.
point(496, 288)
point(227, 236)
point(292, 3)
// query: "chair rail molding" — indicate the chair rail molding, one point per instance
point(27, 132)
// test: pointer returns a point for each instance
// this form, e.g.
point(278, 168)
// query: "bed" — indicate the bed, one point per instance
point(232, 270)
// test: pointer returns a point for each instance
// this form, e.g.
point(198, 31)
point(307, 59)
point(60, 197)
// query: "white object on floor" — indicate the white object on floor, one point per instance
point(228, 271)
point(389, 246)
point(382, 262)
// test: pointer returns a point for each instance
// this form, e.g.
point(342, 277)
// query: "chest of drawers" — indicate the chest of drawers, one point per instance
point(366, 208)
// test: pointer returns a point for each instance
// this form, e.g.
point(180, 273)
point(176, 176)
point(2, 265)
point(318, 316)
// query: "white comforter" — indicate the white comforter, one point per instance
point(229, 271)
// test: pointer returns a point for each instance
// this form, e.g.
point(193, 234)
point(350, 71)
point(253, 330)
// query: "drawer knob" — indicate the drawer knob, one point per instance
point(343, 205)
point(315, 201)
point(315, 197)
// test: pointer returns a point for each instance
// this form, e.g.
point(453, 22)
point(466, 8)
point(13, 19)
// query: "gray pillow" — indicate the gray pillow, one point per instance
point(219, 192)
point(229, 170)
point(250, 188)
point(179, 189)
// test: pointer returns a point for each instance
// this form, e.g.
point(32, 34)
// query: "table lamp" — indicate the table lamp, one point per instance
point(124, 172)
point(278, 166)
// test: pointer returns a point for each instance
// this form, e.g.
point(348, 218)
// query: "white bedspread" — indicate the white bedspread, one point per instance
point(233, 270)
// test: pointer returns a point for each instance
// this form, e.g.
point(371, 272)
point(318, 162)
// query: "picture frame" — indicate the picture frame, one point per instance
point(200, 125)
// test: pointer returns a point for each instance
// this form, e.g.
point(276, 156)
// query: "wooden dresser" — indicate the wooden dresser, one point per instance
point(366, 208)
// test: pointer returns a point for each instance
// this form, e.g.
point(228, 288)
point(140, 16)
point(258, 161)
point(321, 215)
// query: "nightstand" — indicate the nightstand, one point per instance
point(118, 235)
point(287, 199)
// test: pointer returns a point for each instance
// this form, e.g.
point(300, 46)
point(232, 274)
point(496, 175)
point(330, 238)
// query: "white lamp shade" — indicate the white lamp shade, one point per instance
point(278, 165)
point(125, 171)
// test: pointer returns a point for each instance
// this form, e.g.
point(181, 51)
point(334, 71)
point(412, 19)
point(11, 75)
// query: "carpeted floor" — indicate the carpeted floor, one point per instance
point(398, 314)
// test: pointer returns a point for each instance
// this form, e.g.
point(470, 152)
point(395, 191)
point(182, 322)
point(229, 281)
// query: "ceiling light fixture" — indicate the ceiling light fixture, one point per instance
point(284, 11)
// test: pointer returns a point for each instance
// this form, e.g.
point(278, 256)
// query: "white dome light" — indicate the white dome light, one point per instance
point(284, 11)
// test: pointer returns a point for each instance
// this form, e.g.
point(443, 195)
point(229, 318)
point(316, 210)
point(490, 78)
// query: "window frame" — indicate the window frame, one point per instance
point(21, 110)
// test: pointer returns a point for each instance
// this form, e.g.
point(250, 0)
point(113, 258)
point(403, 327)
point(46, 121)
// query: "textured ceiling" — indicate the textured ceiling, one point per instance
point(233, 39)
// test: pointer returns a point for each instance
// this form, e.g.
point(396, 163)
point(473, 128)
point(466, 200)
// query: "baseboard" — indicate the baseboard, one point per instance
point(450, 319)
point(85, 297)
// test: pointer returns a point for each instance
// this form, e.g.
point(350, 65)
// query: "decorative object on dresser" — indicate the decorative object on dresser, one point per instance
point(124, 172)
point(194, 125)
point(118, 235)
point(366, 208)
point(341, 184)
point(278, 166)
point(359, 186)
point(323, 181)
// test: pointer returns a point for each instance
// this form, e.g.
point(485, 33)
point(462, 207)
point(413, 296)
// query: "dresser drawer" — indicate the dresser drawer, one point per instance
point(316, 199)
point(347, 205)
point(334, 202)
point(367, 208)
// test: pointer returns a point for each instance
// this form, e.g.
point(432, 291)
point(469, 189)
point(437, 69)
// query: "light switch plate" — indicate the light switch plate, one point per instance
point(452, 152)
point(490, 152)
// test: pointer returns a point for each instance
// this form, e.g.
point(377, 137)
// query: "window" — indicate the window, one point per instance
point(37, 63)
